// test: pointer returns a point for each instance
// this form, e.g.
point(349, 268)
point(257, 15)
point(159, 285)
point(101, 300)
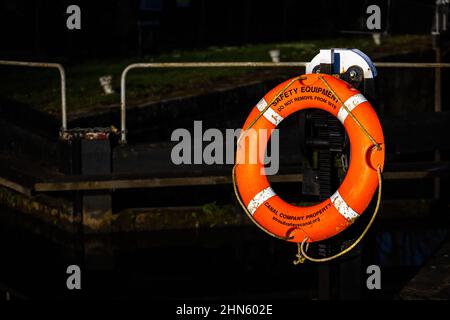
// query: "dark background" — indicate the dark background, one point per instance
point(111, 28)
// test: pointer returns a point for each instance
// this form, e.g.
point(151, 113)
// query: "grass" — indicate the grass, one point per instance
point(40, 88)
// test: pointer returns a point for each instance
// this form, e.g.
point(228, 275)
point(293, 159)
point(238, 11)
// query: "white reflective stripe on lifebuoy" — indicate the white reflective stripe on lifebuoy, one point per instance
point(351, 103)
point(260, 197)
point(270, 114)
point(343, 208)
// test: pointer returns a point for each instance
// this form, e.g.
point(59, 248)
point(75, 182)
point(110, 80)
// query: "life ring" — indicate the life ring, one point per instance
point(328, 218)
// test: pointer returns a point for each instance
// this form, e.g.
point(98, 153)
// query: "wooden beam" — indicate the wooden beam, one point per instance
point(102, 184)
point(149, 183)
point(400, 175)
point(130, 183)
point(432, 282)
point(15, 186)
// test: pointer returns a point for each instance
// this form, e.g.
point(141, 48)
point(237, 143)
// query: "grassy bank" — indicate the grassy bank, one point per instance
point(40, 88)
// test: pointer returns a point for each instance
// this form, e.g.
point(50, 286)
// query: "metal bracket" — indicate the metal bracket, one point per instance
point(351, 65)
point(342, 61)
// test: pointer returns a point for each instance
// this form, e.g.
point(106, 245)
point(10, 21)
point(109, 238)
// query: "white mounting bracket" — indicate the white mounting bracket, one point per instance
point(341, 60)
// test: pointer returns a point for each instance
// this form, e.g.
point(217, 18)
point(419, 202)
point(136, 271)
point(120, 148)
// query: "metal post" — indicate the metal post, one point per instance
point(62, 75)
point(437, 108)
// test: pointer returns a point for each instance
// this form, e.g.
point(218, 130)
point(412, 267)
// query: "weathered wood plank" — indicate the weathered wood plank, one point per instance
point(149, 183)
point(433, 280)
point(101, 184)
point(15, 186)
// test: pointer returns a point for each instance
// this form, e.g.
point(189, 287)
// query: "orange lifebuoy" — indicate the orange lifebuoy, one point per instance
point(328, 218)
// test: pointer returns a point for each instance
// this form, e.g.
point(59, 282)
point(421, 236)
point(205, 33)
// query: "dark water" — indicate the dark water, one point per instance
point(206, 264)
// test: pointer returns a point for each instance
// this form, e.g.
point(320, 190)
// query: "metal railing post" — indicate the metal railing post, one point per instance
point(437, 108)
point(62, 75)
point(123, 126)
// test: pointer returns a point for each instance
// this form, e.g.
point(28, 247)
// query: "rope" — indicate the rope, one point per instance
point(363, 129)
point(302, 256)
point(268, 106)
point(241, 203)
point(233, 174)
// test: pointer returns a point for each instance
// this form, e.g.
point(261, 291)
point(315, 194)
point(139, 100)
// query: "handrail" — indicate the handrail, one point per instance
point(433, 65)
point(62, 74)
point(188, 65)
point(123, 128)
